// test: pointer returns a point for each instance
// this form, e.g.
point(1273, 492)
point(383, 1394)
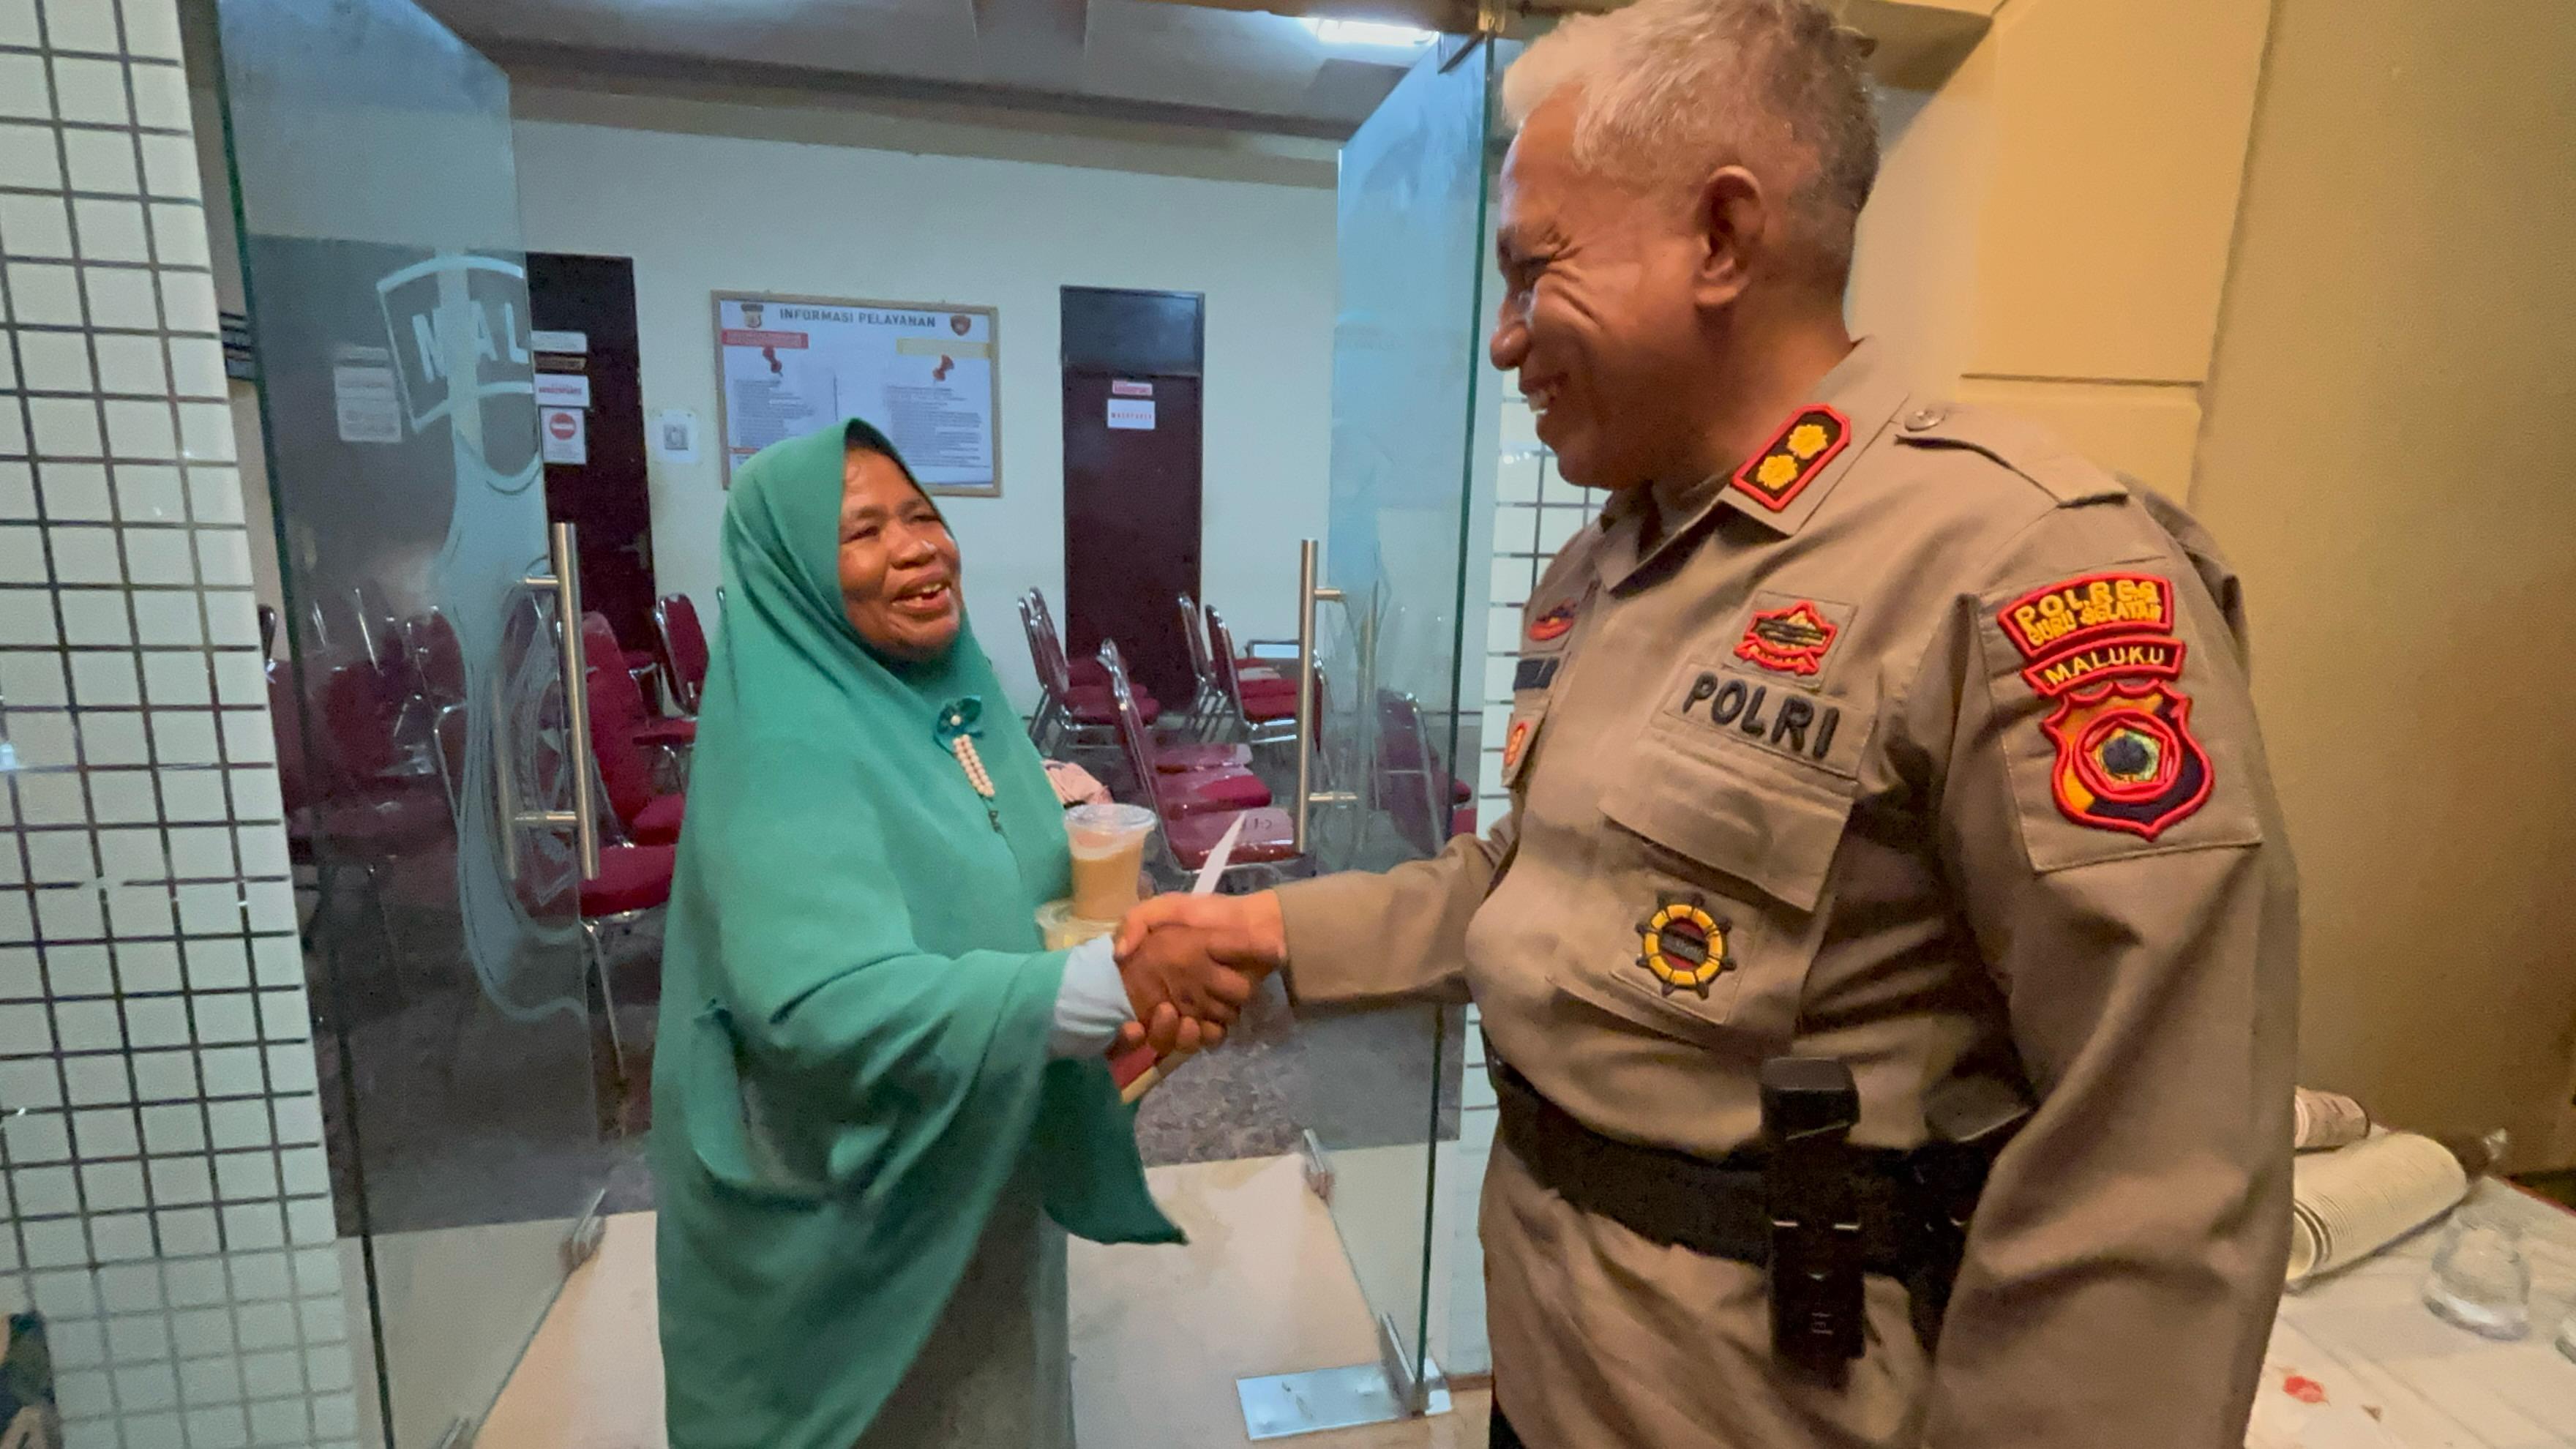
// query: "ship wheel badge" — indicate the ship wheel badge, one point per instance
point(1684, 945)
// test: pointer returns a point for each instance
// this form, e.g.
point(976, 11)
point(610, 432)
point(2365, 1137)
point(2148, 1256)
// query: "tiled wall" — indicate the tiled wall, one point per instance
point(168, 1206)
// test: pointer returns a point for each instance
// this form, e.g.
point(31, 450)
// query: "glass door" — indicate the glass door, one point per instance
point(1411, 405)
point(377, 208)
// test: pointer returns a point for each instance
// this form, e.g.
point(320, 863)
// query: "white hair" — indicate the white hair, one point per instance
point(1671, 90)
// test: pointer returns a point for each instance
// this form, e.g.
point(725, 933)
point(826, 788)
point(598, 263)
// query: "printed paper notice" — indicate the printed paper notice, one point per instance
point(1131, 414)
point(563, 390)
point(369, 403)
point(567, 439)
point(923, 374)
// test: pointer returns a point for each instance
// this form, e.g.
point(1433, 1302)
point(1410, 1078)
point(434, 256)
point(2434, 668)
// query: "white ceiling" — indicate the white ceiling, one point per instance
point(1158, 58)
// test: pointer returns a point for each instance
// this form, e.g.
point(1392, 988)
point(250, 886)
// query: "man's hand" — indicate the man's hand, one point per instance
point(1182, 995)
point(1246, 933)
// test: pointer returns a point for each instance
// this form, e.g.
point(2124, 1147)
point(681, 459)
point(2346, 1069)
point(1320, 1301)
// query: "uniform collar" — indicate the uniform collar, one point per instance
point(1805, 457)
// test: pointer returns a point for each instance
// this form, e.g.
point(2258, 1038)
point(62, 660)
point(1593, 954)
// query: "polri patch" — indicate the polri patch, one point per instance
point(1774, 717)
point(2046, 622)
point(1794, 456)
point(1790, 640)
point(2126, 759)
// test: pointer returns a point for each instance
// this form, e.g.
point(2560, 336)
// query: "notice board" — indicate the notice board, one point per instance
point(922, 372)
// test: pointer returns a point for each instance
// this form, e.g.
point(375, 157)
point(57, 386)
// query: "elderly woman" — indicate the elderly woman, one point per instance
point(877, 1102)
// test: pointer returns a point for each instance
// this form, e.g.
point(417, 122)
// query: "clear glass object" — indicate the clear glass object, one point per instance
point(2479, 1279)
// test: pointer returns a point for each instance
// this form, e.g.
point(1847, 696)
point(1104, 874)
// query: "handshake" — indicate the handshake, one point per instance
point(1190, 963)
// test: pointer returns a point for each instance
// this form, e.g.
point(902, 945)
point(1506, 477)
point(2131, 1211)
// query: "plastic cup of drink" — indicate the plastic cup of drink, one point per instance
point(1108, 844)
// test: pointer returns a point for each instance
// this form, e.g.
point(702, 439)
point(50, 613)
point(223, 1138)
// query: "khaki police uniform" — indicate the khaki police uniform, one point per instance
point(1922, 744)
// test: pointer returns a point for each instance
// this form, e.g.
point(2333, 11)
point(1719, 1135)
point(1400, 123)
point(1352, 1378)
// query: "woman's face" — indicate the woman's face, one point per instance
point(898, 563)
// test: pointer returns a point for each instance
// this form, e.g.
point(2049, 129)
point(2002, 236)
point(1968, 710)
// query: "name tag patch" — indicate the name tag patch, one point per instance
point(1778, 719)
point(1537, 672)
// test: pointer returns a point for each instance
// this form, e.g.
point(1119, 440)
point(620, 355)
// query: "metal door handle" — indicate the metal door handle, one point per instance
point(1309, 594)
point(565, 584)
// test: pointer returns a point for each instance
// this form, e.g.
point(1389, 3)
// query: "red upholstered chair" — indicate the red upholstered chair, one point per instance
point(602, 654)
point(1070, 715)
point(616, 708)
point(1177, 794)
point(1265, 851)
point(683, 642)
point(1264, 716)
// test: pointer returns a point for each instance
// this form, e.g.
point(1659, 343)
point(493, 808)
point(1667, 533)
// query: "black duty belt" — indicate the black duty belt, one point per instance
point(1715, 1206)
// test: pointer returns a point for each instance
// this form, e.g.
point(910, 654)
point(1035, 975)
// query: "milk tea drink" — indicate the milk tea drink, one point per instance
point(1108, 844)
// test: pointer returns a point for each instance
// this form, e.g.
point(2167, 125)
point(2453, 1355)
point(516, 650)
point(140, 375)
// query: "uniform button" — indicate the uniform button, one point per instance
point(1922, 418)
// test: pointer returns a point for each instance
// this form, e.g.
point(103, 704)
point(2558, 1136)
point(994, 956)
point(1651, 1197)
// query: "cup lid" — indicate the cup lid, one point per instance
point(1110, 819)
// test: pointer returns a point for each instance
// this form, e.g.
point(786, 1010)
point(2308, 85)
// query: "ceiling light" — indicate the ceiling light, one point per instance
point(1371, 34)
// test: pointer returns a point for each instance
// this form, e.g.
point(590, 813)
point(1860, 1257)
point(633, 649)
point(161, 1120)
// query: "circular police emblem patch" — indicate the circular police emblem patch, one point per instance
point(1683, 945)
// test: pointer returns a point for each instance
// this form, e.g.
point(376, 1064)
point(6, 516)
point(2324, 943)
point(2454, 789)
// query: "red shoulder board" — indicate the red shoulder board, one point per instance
point(1800, 451)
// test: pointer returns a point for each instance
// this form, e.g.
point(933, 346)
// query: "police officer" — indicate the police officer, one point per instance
point(1864, 733)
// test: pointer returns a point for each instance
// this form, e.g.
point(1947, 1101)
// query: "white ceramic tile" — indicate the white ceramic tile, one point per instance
point(264, 1325)
point(159, 556)
point(46, 800)
point(70, 913)
point(240, 678)
point(13, 433)
point(173, 1129)
point(104, 679)
point(169, 1076)
point(58, 1243)
point(277, 961)
point(111, 231)
point(121, 297)
point(184, 736)
point(256, 796)
point(278, 1421)
point(233, 1126)
point(36, 1137)
point(161, 97)
point(273, 1375)
point(88, 25)
point(188, 1232)
point(22, 556)
point(263, 851)
point(76, 491)
point(231, 1071)
point(176, 677)
point(182, 1181)
point(54, 361)
point(205, 1382)
point(85, 554)
point(309, 1221)
point(156, 1022)
point(192, 795)
point(148, 965)
point(232, 619)
point(22, 86)
point(188, 302)
point(122, 1237)
point(149, 492)
point(170, 167)
point(8, 363)
point(206, 431)
point(151, 28)
point(25, 1031)
point(210, 910)
point(94, 616)
point(17, 913)
point(90, 91)
point(33, 679)
point(45, 741)
point(47, 1190)
point(88, 1026)
point(197, 368)
point(64, 427)
point(139, 429)
point(249, 1177)
point(226, 1018)
point(21, 979)
point(203, 1333)
point(27, 617)
point(17, 489)
point(215, 494)
point(130, 364)
point(179, 234)
point(64, 857)
point(223, 557)
point(105, 1132)
point(34, 226)
point(101, 161)
point(218, 964)
point(168, 619)
point(283, 1016)
point(45, 294)
point(97, 1079)
point(27, 158)
point(18, 23)
point(304, 1167)
point(85, 1396)
point(114, 739)
point(122, 797)
point(200, 852)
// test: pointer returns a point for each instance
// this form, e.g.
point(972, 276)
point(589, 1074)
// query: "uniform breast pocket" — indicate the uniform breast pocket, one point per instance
point(1725, 860)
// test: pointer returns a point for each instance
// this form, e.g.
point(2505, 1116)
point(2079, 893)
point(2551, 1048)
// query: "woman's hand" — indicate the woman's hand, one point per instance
point(1245, 933)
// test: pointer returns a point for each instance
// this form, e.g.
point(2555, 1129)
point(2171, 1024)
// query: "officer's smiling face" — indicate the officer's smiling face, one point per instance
point(1600, 315)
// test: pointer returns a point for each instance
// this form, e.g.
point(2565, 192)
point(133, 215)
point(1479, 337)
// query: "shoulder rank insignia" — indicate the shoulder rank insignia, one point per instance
point(2103, 647)
point(1803, 447)
point(1683, 945)
point(1788, 641)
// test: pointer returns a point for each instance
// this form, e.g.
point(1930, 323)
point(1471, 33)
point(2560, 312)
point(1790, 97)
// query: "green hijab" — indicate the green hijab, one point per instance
point(852, 1065)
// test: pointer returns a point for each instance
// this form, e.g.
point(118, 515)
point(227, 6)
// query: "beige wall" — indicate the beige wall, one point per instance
point(2051, 227)
point(2389, 459)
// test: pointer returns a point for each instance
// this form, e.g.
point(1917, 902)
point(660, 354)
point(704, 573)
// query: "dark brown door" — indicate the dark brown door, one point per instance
point(605, 494)
point(1131, 477)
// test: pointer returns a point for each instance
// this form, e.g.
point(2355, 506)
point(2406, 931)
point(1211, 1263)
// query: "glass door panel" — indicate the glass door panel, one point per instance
point(1408, 374)
point(378, 215)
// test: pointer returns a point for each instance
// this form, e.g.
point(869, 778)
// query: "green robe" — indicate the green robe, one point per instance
point(852, 1091)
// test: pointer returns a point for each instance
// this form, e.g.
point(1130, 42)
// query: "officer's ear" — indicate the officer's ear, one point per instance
point(1729, 216)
